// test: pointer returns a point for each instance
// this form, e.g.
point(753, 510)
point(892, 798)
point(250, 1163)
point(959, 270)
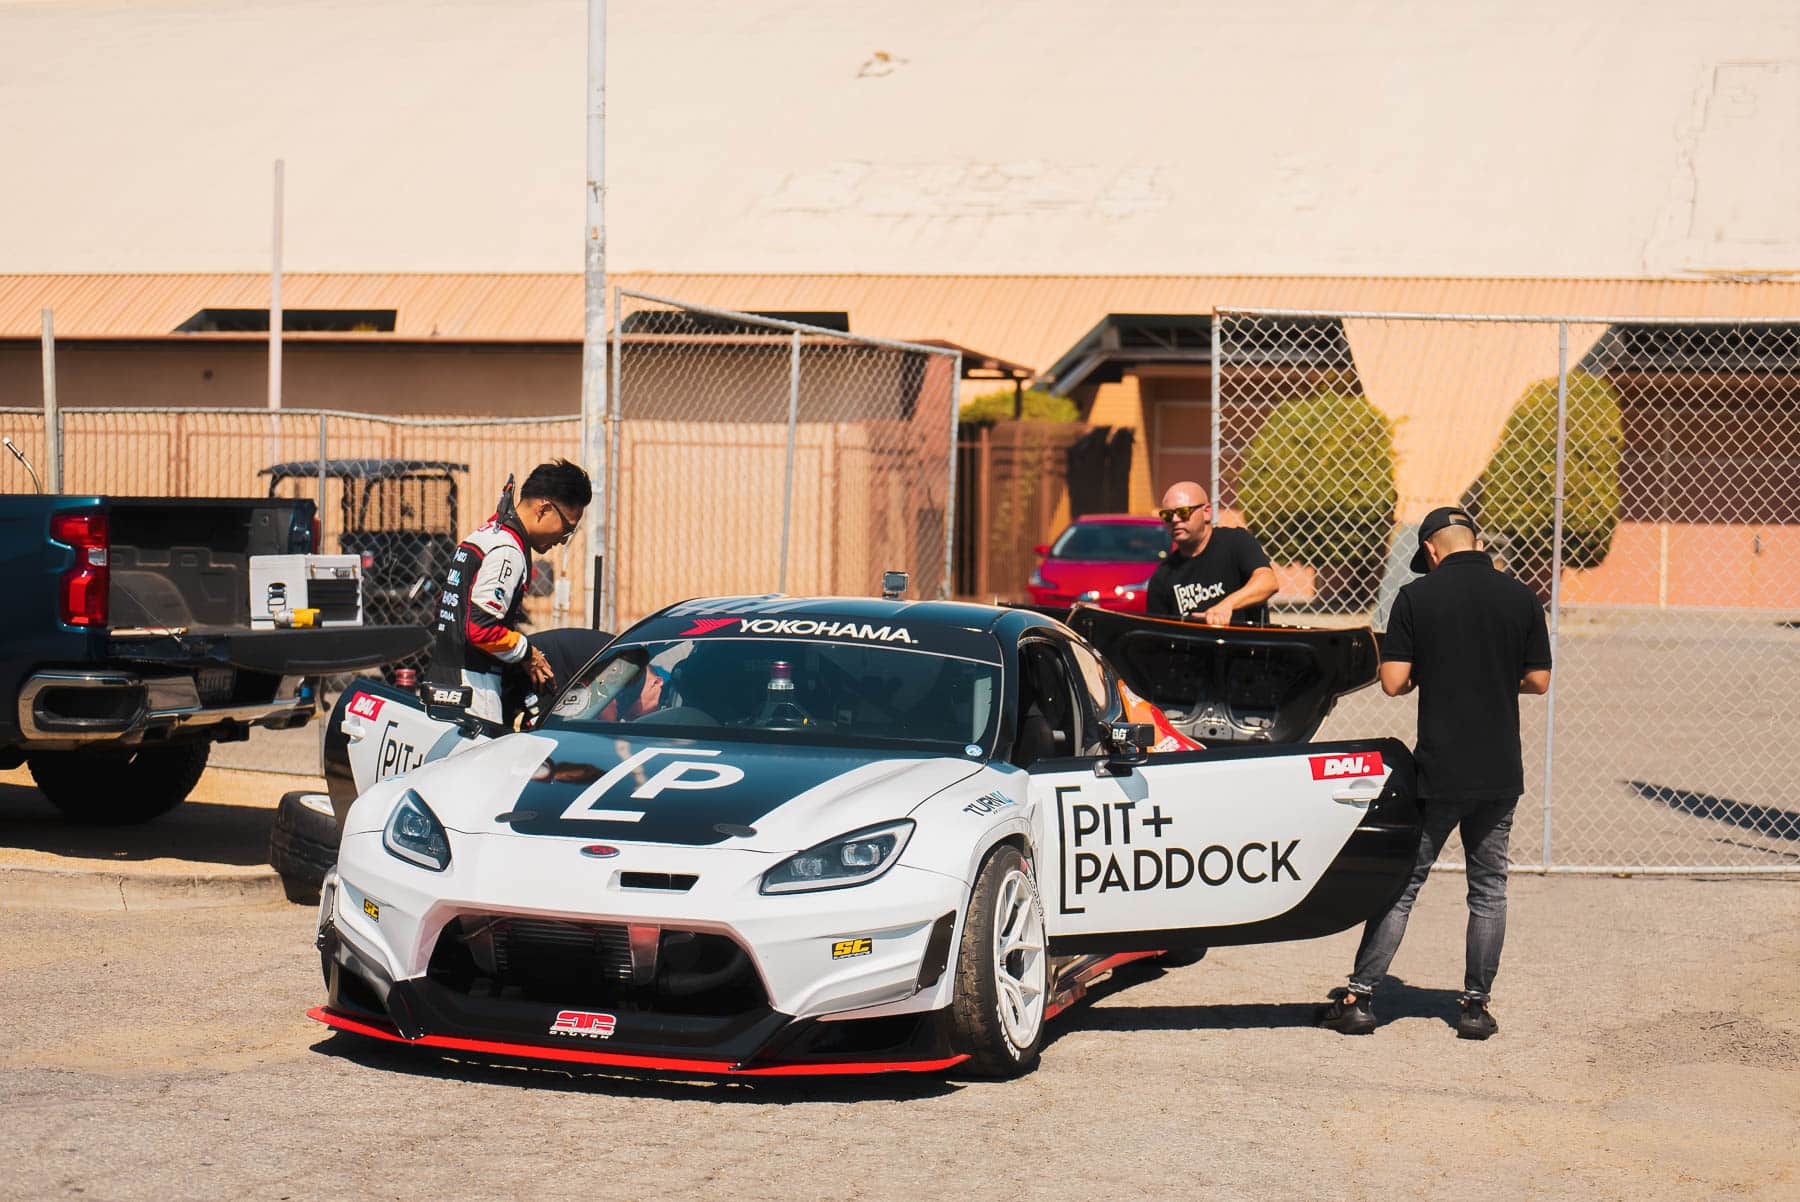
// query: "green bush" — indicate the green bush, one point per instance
point(1517, 491)
point(1040, 406)
point(1317, 485)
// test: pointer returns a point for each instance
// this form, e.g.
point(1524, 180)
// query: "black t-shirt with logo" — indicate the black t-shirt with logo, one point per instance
point(1193, 584)
point(1471, 633)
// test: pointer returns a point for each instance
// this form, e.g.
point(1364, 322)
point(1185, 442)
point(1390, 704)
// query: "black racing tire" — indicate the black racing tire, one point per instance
point(303, 847)
point(1004, 902)
point(118, 786)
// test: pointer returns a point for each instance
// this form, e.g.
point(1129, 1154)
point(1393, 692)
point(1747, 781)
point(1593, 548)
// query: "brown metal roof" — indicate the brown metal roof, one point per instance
point(1023, 319)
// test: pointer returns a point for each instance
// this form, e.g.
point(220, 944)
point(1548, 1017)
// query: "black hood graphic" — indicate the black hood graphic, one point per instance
point(596, 786)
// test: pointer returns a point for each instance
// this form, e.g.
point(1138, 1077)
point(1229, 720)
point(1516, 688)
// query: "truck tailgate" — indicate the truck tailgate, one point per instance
point(317, 652)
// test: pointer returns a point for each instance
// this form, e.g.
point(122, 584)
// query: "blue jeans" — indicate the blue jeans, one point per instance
point(1486, 828)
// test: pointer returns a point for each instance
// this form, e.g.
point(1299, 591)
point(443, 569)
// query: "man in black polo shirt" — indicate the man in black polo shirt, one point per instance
point(1213, 574)
point(1470, 639)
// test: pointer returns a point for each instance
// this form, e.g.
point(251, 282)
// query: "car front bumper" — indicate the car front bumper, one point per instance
point(820, 961)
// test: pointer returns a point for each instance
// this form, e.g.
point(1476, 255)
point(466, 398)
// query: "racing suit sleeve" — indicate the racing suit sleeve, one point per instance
point(491, 595)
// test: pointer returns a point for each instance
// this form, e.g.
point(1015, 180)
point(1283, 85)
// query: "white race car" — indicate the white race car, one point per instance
point(776, 836)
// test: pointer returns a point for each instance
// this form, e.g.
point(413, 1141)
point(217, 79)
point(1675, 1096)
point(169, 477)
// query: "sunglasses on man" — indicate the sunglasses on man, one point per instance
point(1179, 513)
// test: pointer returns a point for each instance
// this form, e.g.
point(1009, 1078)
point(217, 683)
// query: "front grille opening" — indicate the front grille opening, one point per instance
point(679, 882)
point(579, 964)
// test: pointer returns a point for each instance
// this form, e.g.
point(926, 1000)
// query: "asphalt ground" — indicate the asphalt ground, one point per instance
point(1650, 1049)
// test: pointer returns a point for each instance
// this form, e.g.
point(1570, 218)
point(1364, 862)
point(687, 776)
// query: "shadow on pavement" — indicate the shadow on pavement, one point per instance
point(570, 1078)
point(200, 831)
point(1395, 1000)
point(1764, 820)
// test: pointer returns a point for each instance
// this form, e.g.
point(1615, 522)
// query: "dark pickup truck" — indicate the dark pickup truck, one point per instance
point(127, 649)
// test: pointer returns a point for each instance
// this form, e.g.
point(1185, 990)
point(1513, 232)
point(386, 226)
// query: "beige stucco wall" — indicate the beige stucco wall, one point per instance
point(1538, 137)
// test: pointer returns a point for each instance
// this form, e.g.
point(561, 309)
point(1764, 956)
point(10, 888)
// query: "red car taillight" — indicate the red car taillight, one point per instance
point(85, 583)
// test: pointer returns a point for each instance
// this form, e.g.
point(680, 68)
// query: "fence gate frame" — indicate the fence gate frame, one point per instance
point(798, 335)
point(1220, 366)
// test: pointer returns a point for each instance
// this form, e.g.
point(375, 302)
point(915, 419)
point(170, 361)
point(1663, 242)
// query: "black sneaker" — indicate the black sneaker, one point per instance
point(1475, 1021)
point(1348, 1012)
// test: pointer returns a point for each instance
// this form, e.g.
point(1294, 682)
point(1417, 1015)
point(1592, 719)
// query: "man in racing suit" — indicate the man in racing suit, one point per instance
point(481, 601)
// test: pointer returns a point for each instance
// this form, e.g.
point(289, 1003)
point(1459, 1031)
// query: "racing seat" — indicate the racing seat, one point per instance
point(1043, 711)
point(1037, 738)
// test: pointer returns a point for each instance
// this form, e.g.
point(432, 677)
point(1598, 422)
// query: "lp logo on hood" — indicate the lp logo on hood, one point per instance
point(680, 774)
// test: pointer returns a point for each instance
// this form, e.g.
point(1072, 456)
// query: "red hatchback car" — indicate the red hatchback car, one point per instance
point(1104, 559)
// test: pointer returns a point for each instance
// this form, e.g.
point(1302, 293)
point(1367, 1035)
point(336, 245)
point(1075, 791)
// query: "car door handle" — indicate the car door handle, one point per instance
point(1352, 797)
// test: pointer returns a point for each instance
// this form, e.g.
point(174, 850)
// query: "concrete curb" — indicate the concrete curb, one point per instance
point(109, 889)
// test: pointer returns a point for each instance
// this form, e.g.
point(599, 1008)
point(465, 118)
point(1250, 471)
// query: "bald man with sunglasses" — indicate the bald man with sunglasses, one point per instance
point(1213, 574)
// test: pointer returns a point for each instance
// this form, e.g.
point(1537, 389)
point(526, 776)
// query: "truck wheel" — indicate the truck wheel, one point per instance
point(303, 844)
point(1002, 970)
point(118, 786)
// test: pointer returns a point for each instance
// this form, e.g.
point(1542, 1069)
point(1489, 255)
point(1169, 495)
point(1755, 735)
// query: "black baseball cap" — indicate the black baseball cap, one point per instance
point(1436, 520)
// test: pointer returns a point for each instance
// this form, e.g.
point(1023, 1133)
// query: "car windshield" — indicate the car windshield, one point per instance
point(1117, 542)
point(787, 690)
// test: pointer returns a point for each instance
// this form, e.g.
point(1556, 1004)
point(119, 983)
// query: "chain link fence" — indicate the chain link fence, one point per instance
point(398, 492)
point(1640, 476)
point(755, 453)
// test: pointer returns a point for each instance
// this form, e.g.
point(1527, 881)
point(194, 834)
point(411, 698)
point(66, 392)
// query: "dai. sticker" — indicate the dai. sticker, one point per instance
point(1334, 767)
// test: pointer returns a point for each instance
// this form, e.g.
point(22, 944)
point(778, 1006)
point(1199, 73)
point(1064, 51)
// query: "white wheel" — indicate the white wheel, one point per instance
point(1020, 975)
point(1002, 970)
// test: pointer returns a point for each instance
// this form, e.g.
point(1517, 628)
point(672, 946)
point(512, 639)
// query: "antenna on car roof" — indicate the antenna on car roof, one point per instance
point(893, 585)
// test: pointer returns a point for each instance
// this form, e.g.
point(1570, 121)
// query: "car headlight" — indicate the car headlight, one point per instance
point(414, 834)
point(851, 859)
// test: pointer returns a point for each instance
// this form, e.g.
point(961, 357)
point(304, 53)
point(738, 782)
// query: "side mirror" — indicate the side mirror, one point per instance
point(1041, 549)
point(1127, 745)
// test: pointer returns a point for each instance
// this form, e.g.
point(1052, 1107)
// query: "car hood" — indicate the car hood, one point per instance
point(757, 796)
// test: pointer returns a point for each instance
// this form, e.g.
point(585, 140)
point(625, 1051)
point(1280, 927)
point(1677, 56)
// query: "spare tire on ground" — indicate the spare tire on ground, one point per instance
point(303, 844)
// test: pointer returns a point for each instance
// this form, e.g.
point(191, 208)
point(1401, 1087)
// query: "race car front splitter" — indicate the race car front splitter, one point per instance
point(656, 1065)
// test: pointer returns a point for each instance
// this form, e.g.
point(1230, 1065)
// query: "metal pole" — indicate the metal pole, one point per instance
point(950, 499)
point(615, 478)
point(787, 492)
point(1556, 539)
point(52, 415)
point(275, 315)
point(1212, 488)
point(275, 293)
point(320, 549)
point(593, 341)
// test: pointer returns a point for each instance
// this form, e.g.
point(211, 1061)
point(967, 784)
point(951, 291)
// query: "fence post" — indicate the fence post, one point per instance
point(320, 549)
point(787, 492)
point(1212, 493)
point(614, 470)
point(949, 588)
point(1556, 541)
point(53, 465)
point(984, 513)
